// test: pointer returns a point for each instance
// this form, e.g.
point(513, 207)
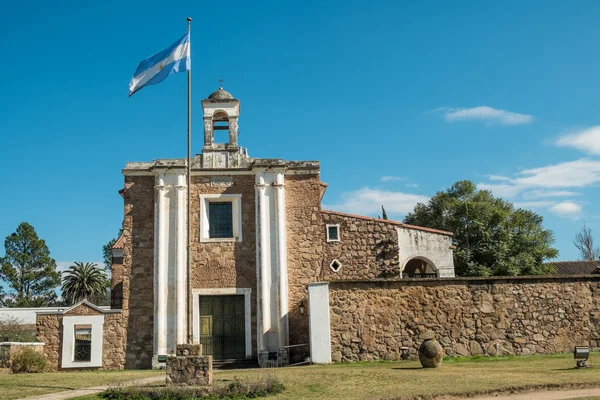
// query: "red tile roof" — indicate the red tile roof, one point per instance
point(579, 267)
point(389, 221)
point(119, 243)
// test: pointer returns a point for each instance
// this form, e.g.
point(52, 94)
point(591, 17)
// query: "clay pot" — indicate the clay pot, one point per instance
point(431, 353)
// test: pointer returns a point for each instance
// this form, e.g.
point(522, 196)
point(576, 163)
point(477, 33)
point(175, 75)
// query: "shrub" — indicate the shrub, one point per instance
point(13, 329)
point(28, 360)
point(236, 390)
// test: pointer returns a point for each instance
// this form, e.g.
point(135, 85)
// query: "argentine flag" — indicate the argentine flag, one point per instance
point(153, 70)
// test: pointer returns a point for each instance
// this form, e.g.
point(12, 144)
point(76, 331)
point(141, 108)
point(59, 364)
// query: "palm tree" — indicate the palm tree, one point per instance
point(83, 281)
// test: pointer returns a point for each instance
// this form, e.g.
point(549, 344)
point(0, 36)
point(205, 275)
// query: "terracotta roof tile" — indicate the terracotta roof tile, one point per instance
point(579, 267)
point(120, 243)
point(389, 221)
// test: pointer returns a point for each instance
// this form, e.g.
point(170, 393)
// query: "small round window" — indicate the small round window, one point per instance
point(335, 265)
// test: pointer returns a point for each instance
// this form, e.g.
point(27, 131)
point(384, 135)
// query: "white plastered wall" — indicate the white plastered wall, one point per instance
point(318, 315)
point(271, 257)
point(68, 349)
point(432, 247)
point(170, 255)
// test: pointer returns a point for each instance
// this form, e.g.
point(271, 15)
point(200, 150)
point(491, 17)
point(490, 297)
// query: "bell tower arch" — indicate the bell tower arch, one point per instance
point(221, 113)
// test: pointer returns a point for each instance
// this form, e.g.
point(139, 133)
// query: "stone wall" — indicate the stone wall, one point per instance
point(367, 248)
point(305, 240)
point(226, 264)
point(468, 316)
point(138, 270)
point(50, 332)
point(9, 349)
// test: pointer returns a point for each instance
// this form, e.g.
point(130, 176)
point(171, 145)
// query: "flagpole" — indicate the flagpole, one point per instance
point(190, 335)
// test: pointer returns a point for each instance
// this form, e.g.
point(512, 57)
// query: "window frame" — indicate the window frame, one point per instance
point(77, 328)
point(236, 216)
point(337, 226)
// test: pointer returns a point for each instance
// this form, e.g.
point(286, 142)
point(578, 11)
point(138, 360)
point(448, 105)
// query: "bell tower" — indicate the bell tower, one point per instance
point(221, 113)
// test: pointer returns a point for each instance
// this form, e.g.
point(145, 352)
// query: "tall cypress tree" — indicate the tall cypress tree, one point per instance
point(28, 269)
point(383, 214)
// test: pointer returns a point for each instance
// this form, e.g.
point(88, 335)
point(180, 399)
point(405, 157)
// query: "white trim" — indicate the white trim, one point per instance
point(331, 265)
point(68, 347)
point(236, 209)
point(209, 172)
point(181, 257)
point(247, 292)
point(279, 189)
point(319, 323)
point(338, 231)
point(54, 311)
point(22, 344)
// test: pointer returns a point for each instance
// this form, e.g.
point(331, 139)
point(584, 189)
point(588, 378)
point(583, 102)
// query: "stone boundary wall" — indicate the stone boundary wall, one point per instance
point(372, 320)
point(9, 349)
point(50, 332)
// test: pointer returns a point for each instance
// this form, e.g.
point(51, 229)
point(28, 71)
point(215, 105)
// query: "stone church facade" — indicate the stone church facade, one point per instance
point(259, 237)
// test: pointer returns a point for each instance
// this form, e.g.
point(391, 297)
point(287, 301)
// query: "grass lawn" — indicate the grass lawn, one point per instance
point(23, 385)
point(406, 379)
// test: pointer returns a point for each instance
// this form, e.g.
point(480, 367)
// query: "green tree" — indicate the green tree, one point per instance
point(107, 252)
point(28, 269)
point(383, 213)
point(491, 236)
point(84, 281)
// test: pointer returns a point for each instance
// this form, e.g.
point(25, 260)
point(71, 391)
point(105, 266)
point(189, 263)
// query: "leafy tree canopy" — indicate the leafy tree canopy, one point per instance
point(84, 281)
point(491, 236)
point(28, 269)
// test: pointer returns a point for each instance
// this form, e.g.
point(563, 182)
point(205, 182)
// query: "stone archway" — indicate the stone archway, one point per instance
point(419, 267)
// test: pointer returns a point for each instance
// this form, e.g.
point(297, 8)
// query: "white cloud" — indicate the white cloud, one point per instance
point(540, 193)
point(587, 140)
point(572, 174)
point(412, 185)
point(392, 178)
point(533, 204)
point(367, 201)
point(487, 114)
point(498, 178)
point(542, 188)
point(500, 190)
point(566, 209)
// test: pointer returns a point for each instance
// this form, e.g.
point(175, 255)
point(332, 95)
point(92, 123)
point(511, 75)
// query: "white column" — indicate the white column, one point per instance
point(282, 260)
point(262, 262)
point(181, 260)
point(160, 277)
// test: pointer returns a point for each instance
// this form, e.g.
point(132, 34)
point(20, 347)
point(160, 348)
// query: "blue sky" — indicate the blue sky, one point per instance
point(396, 100)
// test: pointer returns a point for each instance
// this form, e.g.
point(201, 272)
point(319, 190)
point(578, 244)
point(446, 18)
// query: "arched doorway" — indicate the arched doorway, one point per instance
point(419, 268)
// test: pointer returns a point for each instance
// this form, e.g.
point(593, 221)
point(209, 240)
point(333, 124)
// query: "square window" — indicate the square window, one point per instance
point(83, 344)
point(333, 233)
point(220, 219)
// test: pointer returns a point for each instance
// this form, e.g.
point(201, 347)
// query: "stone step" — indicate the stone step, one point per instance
point(235, 364)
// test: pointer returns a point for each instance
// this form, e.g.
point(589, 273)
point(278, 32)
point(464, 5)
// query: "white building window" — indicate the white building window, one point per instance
point(83, 343)
point(333, 233)
point(220, 218)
